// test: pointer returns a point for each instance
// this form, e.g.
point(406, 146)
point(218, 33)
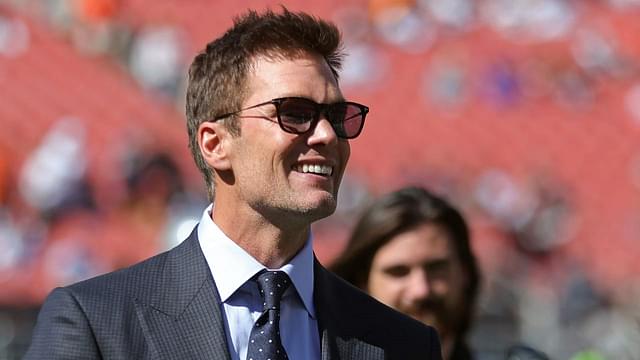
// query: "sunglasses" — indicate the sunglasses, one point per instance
point(298, 115)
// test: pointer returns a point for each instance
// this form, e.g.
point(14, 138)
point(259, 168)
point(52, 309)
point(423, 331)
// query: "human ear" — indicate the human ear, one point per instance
point(212, 140)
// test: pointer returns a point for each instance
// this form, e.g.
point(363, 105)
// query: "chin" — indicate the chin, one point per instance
point(320, 209)
point(324, 211)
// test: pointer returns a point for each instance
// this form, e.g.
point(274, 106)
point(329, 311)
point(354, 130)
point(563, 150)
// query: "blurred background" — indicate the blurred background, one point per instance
point(523, 113)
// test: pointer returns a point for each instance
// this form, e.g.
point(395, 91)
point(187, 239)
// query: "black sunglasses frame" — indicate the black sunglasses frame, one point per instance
point(319, 109)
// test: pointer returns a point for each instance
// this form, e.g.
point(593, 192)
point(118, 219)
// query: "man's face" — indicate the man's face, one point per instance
point(268, 163)
point(418, 273)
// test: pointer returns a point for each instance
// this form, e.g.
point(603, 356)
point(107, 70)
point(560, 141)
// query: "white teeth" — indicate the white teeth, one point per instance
point(315, 169)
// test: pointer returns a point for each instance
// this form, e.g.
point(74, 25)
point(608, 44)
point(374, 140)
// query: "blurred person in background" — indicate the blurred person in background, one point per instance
point(411, 251)
point(269, 129)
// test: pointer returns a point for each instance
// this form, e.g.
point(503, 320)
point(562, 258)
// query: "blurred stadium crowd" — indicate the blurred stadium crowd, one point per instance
point(524, 113)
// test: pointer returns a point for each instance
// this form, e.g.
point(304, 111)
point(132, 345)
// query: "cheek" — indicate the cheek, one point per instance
point(345, 150)
point(441, 287)
point(453, 285)
point(345, 153)
point(386, 289)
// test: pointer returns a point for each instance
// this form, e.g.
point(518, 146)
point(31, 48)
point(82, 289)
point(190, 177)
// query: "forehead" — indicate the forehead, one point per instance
point(424, 243)
point(306, 75)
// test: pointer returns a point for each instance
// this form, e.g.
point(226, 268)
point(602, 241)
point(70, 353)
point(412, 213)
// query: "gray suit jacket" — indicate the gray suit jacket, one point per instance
point(168, 307)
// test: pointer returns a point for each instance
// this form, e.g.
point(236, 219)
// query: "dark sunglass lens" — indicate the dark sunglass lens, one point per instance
point(346, 119)
point(296, 115)
point(353, 120)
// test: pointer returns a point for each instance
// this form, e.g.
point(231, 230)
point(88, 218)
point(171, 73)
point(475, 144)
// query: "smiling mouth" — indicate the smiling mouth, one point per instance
point(316, 169)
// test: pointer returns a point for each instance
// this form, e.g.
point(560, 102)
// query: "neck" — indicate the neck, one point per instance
point(273, 245)
point(447, 347)
point(453, 346)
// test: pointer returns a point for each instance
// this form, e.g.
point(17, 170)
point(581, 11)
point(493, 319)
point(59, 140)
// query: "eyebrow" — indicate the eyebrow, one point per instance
point(430, 263)
point(437, 264)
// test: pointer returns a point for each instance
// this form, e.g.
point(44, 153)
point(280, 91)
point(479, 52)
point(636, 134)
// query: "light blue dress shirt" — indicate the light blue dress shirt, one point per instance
point(232, 269)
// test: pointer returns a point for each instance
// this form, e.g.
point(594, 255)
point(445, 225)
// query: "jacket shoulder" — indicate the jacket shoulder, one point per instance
point(85, 319)
point(358, 315)
point(135, 280)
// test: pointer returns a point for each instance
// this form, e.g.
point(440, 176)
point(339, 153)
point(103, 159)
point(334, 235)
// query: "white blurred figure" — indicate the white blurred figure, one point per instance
point(14, 37)
point(632, 103)
point(458, 14)
point(55, 167)
point(400, 23)
point(366, 64)
point(529, 20)
point(156, 58)
point(625, 4)
point(597, 52)
point(11, 243)
point(444, 84)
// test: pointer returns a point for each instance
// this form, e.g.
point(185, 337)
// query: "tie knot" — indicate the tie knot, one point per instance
point(272, 284)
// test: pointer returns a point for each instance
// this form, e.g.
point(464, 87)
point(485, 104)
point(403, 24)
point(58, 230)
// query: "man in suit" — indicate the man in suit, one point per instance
point(269, 129)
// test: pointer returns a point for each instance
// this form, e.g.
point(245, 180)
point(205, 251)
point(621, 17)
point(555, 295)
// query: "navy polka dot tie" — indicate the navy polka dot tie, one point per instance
point(264, 341)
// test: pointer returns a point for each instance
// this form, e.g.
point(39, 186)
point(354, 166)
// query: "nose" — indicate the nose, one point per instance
point(418, 285)
point(323, 133)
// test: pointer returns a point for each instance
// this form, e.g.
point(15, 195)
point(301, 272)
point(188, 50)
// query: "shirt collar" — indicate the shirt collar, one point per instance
point(223, 254)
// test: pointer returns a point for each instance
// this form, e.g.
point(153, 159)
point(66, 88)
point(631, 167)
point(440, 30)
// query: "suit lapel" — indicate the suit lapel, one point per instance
point(340, 336)
point(183, 318)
